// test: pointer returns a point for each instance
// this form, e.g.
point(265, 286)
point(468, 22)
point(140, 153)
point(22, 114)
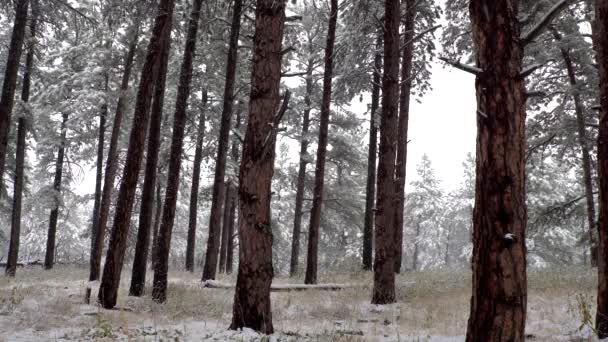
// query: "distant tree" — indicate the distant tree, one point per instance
point(252, 295)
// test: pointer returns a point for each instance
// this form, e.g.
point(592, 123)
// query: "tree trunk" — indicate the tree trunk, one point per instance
point(7, 98)
point(404, 115)
point(157, 216)
point(601, 45)
point(297, 221)
point(13, 250)
point(140, 259)
point(384, 261)
point(370, 192)
point(161, 268)
point(226, 226)
point(103, 114)
point(416, 248)
point(217, 197)
point(252, 295)
point(111, 164)
point(108, 290)
point(582, 139)
point(317, 202)
point(233, 202)
point(196, 175)
point(49, 258)
point(498, 303)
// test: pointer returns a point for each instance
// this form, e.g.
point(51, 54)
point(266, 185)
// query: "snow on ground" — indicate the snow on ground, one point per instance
point(432, 306)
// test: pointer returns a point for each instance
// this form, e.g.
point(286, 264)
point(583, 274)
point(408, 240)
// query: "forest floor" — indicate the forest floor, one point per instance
point(432, 306)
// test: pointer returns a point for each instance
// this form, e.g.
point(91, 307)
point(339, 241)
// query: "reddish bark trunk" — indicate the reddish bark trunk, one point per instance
point(13, 251)
point(226, 227)
point(108, 290)
point(161, 268)
point(217, 197)
point(370, 192)
point(7, 98)
point(404, 116)
point(140, 259)
point(196, 175)
point(252, 295)
point(601, 45)
point(384, 261)
point(498, 303)
point(317, 202)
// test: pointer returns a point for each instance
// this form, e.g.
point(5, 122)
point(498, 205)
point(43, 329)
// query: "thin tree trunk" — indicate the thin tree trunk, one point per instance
point(251, 307)
point(140, 259)
point(103, 114)
point(49, 258)
point(317, 202)
point(7, 98)
point(370, 192)
point(159, 290)
point(108, 290)
point(226, 226)
point(13, 251)
point(582, 139)
point(111, 163)
point(196, 175)
point(300, 187)
point(601, 45)
point(498, 303)
point(233, 202)
point(157, 219)
point(404, 115)
point(384, 261)
point(416, 248)
point(217, 198)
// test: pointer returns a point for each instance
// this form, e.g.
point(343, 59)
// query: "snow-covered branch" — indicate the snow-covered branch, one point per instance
point(464, 67)
point(537, 29)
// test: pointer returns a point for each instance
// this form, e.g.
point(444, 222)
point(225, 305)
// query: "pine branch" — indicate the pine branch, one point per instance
point(464, 67)
point(537, 29)
point(529, 70)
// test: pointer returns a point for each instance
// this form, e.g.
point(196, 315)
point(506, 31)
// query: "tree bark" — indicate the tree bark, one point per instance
point(13, 250)
point(252, 295)
point(103, 114)
point(300, 186)
point(49, 258)
point(108, 290)
point(233, 202)
point(370, 191)
point(226, 226)
point(384, 261)
point(498, 303)
point(416, 248)
point(140, 259)
point(582, 139)
point(317, 202)
point(161, 268)
point(157, 217)
point(7, 98)
point(111, 163)
point(217, 197)
point(601, 45)
point(196, 175)
point(404, 115)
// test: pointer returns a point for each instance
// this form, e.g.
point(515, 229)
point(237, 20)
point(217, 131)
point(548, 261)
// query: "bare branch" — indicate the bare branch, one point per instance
point(468, 68)
point(537, 29)
point(529, 70)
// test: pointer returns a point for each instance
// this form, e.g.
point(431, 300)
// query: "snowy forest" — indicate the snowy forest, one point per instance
point(254, 170)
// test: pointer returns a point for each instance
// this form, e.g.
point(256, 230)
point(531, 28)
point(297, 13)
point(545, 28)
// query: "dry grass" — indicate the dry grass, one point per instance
point(430, 304)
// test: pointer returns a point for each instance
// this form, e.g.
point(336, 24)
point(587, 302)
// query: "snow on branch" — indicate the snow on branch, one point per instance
point(529, 70)
point(537, 29)
point(420, 35)
point(464, 67)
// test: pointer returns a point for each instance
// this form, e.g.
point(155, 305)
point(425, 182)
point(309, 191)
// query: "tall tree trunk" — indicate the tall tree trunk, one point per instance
point(370, 191)
point(103, 114)
point(108, 290)
point(582, 139)
point(13, 250)
point(233, 202)
point(196, 175)
point(601, 45)
point(498, 303)
point(49, 258)
point(300, 186)
point(161, 268)
point(317, 202)
point(226, 226)
point(111, 163)
point(7, 98)
point(140, 259)
point(404, 115)
point(251, 307)
point(416, 248)
point(217, 197)
point(157, 217)
point(384, 261)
